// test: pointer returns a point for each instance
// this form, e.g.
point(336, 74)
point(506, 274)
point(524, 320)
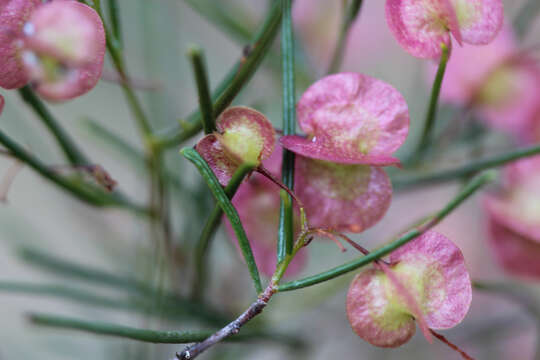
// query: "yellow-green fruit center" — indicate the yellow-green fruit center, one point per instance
point(467, 12)
point(425, 284)
point(244, 141)
point(498, 87)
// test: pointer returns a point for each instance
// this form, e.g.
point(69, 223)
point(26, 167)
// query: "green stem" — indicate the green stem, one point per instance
point(114, 13)
point(431, 115)
point(151, 336)
point(201, 249)
point(221, 20)
point(178, 310)
point(205, 102)
point(231, 22)
point(103, 328)
point(83, 191)
point(115, 52)
point(286, 232)
point(229, 88)
point(88, 274)
point(64, 267)
point(349, 16)
point(73, 154)
point(129, 152)
point(229, 210)
point(467, 191)
point(406, 182)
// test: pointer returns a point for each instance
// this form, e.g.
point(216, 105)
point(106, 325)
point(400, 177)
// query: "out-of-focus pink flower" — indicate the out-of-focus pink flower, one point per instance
point(58, 46)
point(243, 136)
point(504, 91)
point(353, 124)
point(13, 16)
point(257, 202)
point(2, 103)
point(64, 49)
point(422, 26)
point(432, 270)
point(514, 219)
point(318, 23)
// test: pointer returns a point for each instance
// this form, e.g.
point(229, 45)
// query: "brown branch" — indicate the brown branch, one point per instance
point(261, 170)
point(463, 354)
point(233, 328)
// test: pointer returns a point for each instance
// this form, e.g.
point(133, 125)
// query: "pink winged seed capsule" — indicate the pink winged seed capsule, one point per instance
point(433, 271)
point(257, 202)
point(244, 136)
point(342, 197)
point(354, 123)
point(64, 49)
point(422, 26)
point(13, 15)
point(514, 220)
point(350, 118)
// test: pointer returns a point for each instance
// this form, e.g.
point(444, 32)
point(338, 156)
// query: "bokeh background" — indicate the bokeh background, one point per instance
point(39, 217)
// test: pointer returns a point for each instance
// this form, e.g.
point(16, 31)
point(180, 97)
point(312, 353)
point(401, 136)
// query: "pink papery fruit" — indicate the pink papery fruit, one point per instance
point(504, 92)
point(350, 118)
point(342, 197)
point(64, 49)
point(13, 15)
point(244, 136)
point(353, 123)
point(257, 202)
point(422, 26)
point(514, 219)
point(433, 271)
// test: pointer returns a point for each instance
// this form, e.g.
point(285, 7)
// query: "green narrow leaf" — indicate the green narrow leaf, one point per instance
point(173, 308)
point(419, 180)
point(201, 250)
point(285, 231)
point(116, 27)
point(74, 155)
point(83, 191)
point(229, 210)
point(196, 57)
point(233, 82)
point(154, 336)
point(103, 328)
point(431, 114)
